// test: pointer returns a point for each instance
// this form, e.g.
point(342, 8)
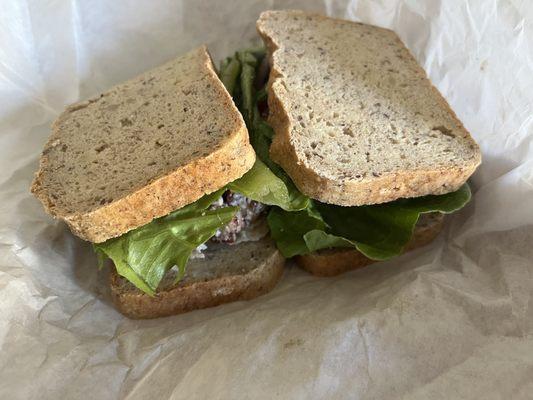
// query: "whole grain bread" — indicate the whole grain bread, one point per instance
point(331, 262)
point(142, 149)
point(227, 273)
point(356, 119)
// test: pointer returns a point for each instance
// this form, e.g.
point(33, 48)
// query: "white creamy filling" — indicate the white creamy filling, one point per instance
point(256, 231)
point(198, 252)
point(252, 233)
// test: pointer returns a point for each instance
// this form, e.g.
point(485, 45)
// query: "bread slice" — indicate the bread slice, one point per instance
point(356, 119)
point(144, 148)
point(331, 262)
point(226, 274)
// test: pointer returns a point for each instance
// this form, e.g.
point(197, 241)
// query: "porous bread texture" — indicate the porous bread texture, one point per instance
point(356, 120)
point(144, 148)
point(227, 273)
point(332, 262)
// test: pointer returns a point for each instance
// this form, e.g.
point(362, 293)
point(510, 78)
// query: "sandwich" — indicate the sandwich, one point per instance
point(159, 174)
point(361, 132)
point(330, 147)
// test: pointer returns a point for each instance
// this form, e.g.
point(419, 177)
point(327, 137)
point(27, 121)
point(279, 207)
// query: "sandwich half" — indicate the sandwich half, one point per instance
point(361, 132)
point(159, 173)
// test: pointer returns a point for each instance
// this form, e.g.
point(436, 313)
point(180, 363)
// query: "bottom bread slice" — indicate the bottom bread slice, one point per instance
point(226, 274)
point(331, 262)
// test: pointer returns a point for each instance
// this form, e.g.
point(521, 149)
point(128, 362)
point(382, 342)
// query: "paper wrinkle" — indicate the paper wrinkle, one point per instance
point(450, 320)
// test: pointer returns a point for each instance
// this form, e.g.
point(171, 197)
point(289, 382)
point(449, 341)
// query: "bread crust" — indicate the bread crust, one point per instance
point(189, 296)
point(177, 188)
point(332, 262)
point(368, 190)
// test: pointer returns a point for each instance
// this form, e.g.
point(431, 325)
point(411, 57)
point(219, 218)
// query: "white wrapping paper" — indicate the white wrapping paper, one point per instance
point(453, 320)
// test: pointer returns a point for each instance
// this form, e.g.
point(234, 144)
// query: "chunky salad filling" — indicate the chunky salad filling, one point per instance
point(243, 226)
point(236, 213)
point(248, 223)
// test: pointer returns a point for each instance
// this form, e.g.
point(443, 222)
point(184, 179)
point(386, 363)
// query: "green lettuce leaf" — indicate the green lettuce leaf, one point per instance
point(378, 231)
point(229, 73)
point(249, 63)
point(144, 255)
point(317, 239)
point(262, 185)
point(261, 138)
point(289, 228)
point(260, 132)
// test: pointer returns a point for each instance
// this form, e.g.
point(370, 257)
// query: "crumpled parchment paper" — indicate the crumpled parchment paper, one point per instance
point(453, 320)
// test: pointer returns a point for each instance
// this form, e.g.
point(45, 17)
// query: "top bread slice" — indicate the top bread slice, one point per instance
point(356, 119)
point(144, 148)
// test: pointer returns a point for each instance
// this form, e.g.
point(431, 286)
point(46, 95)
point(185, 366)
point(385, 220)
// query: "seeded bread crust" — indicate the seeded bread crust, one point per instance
point(332, 262)
point(356, 120)
point(228, 273)
point(143, 149)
